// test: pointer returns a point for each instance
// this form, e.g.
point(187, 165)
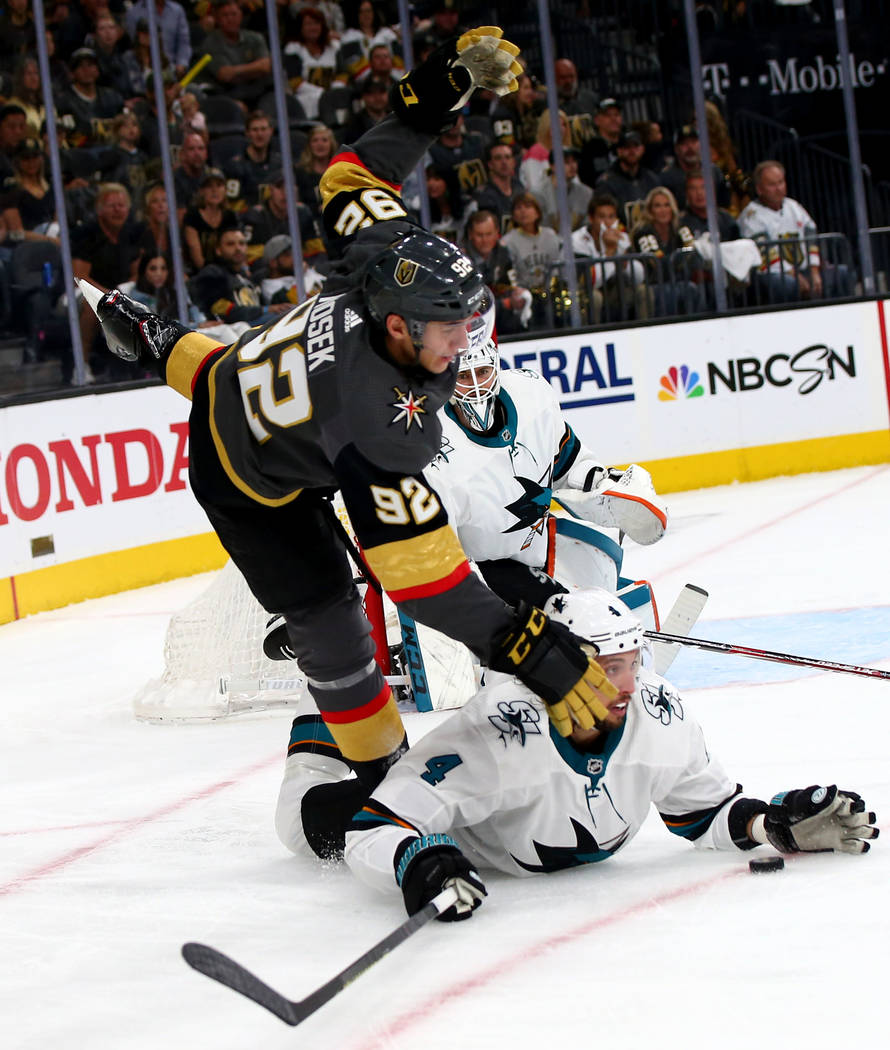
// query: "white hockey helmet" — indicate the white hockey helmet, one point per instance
point(478, 378)
point(597, 616)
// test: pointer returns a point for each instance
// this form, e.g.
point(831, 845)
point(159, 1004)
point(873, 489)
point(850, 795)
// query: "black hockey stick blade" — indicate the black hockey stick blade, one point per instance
point(226, 971)
point(766, 654)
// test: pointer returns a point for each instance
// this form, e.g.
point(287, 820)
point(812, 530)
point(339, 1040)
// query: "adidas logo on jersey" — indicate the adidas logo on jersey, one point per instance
point(350, 319)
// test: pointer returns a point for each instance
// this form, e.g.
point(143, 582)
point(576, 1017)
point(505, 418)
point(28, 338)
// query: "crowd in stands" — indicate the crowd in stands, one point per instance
point(636, 193)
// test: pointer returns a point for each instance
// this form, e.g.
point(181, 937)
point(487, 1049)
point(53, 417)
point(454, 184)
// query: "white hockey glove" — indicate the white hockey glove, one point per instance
point(816, 820)
point(624, 500)
point(430, 95)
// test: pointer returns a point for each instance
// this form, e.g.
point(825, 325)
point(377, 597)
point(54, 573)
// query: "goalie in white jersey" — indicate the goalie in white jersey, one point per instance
point(506, 452)
point(496, 787)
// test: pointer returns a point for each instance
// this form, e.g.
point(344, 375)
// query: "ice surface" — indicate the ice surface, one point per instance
point(119, 840)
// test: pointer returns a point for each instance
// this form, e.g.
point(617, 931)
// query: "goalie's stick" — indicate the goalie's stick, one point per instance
point(292, 1011)
point(766, 654)
point(680, 620)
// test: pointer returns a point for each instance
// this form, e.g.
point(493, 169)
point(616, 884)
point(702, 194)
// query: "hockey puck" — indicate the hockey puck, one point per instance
point(762, 865)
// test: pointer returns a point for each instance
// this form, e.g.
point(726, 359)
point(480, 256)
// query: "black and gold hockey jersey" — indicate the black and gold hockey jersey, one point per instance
point(314, 401)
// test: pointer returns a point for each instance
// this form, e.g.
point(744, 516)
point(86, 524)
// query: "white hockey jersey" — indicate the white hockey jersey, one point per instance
point(519, 798)
point(497, 489)
point(789, 224)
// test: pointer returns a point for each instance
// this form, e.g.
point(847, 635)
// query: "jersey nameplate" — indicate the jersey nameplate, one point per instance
point(320, 335)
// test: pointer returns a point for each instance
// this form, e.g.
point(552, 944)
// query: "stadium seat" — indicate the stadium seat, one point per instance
point(223, 115)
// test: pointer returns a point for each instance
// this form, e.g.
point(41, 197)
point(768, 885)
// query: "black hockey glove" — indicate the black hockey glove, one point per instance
point(816, 820)
point(548, 658)
point(134, 333)
point(428, 865)
point(429, 97)
point(276, 641)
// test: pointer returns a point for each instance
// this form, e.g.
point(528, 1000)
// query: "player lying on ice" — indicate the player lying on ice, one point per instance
point(343, 393)
point(496, 787)
point(507, 451)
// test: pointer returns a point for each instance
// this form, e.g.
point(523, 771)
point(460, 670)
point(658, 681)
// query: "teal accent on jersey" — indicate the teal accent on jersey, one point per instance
point(557, 858)
point(689, 828)
point(578, 530)
point(567, 455)
point(375, 815)
point(439, 767)
point(503, 437)
point(309, 733)
point(776, 800)
point(637, 598)
point(586, 763)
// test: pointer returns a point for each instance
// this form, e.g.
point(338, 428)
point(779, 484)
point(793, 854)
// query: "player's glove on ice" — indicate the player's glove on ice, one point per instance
point(134, 333)
point(816, 820)
point(433, 863)
point(550, 660)
point(429, 96)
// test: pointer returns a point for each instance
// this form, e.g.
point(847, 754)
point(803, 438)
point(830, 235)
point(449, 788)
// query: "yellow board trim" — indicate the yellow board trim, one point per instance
point(417, 561)
point(58, 585)
point(769, 461)
point(101, 574)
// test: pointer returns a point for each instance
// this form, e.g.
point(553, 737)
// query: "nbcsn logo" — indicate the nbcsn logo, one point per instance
point(680, 383)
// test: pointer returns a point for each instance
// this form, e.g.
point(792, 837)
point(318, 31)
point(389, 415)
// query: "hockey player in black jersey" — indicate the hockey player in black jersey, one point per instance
point(342, 393)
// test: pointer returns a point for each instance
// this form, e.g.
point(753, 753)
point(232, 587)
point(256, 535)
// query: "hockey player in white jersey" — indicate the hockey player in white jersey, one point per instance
point(506, 452)
point(497, 787)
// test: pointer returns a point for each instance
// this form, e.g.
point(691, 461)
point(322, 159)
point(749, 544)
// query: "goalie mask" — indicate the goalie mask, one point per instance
point(478, 379)
point(595, 615)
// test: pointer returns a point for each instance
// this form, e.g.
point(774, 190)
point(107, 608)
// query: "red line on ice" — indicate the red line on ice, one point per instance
point(482, 978)
point(775, 521)
point(383, 1039)
point(126, 826)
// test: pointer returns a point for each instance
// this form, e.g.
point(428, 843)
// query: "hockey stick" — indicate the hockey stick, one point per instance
point(292, 1011)
point(680, 620)
point(766, 654)
point(414, 664)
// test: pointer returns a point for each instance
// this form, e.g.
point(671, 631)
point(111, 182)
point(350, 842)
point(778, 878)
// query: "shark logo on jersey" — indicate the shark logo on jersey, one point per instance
point(516, 720)
point(409, 408)
point(662, 705)
point(530, 509)
point(446, 449)
point(586, 850)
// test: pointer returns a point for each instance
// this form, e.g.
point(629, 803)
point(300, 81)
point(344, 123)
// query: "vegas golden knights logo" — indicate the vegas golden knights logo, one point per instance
point(406, 271)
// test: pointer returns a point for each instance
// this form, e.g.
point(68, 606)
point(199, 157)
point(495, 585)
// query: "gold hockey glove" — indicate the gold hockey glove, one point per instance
point(549, 659)
point(429, 97)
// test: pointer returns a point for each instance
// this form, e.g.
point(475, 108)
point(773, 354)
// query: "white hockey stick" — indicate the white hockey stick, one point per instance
point(679, 621)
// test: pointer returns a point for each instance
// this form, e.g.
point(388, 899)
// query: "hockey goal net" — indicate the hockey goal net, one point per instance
point(214, 665)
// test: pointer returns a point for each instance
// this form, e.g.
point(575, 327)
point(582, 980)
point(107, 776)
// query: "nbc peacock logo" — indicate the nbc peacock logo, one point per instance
point(680, 384)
